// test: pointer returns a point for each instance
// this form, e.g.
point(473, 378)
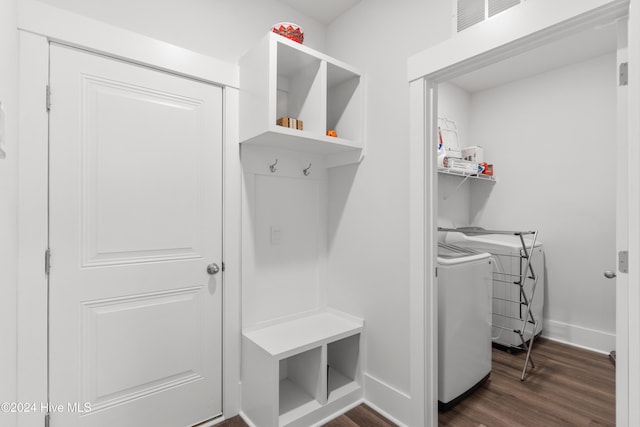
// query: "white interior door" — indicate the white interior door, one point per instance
point(135, 219)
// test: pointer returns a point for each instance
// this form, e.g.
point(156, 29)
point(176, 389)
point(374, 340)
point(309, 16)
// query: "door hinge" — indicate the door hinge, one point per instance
point(47, 420)
point(624, 74)
point(623, 261)
point(48, 105)
point(47, 261)
point(436, 271)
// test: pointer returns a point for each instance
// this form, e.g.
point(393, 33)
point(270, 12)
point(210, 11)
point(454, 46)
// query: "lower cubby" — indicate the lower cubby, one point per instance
point(300, 384)
point(300, 372)
point(343, 367)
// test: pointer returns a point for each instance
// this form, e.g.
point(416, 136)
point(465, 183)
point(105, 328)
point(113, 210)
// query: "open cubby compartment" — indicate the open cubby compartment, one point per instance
point(300, 371)
point(282, 78)
point(343, 367)
point(301, 385)
point(344, 102)
point(300, 85)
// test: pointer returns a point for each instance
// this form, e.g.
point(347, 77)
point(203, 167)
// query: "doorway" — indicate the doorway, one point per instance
point(440, 64)
point(536, 124)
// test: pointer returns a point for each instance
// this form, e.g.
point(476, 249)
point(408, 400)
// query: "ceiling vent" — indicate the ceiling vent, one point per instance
point(470, 12)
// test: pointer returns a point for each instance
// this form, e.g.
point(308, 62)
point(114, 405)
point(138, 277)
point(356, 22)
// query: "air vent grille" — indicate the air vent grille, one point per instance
point(471, 12)
point(497, 6)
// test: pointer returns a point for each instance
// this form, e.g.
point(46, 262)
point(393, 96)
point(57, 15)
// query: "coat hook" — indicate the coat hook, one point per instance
point(306, 170)
point(272, 167)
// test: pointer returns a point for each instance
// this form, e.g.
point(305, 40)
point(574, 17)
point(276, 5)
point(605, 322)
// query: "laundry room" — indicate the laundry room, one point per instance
point(530, 130)
point(551, 140)
point(502, 124)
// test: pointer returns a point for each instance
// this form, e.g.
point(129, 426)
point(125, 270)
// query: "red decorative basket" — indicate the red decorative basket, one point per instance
point(289, 30)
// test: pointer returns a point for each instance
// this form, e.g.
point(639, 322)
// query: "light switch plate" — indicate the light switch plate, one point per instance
point(276, 235)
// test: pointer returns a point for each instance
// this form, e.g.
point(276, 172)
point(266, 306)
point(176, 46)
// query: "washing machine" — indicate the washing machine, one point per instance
point(507, 307)
point(464, 324)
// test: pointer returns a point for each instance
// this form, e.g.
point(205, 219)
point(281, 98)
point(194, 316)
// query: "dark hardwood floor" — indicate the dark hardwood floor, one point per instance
point(359, 416)
point(568, 387)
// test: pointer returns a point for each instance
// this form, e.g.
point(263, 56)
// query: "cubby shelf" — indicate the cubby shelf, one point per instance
point(282, 78)
point(296, 369)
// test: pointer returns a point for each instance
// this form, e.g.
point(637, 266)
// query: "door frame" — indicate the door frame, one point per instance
point(40, 24)
point(526, 27)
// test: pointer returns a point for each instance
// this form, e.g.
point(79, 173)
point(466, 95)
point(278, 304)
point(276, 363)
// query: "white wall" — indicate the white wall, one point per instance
point(369, 204)
point(8, 205)
point(551, 139)
point(283, 273)
point(224, 29)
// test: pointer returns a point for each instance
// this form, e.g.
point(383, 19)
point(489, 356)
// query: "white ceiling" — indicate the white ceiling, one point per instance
point(323, 11)
point(572, 49)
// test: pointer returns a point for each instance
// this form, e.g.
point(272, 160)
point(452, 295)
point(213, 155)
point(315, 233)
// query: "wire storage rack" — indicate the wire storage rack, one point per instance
point(520, 319)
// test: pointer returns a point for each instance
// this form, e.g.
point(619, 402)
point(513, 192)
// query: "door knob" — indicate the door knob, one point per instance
point(213, 268)
point(609, 274)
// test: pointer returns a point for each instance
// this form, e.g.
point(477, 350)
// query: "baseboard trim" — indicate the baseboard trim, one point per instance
point(578, 336)
point(385, 414)
point(390, 402)
point(381, 397)
point(246, 419)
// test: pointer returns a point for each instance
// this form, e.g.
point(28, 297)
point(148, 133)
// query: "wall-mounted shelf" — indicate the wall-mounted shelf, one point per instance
point(294, 370)
point(481, 177)
point(282, 78)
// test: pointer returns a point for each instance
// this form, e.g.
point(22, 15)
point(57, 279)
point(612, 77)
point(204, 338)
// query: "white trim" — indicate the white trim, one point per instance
point(82, 32)
point(32, 226)
point(578, 336)
point(342, 411)
point(232, 224)
point(246, 419)
point(387, 399)
point(385, 414)
point(529, 25)
point(32, 183)
point(631, 401)
point(622, 234)
point(423, 309)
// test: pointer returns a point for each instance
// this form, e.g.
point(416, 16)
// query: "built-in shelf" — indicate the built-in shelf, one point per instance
point(282, 78)
point(299, 367)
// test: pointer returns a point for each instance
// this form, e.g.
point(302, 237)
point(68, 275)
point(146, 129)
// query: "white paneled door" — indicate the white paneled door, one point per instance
point(135, 220)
